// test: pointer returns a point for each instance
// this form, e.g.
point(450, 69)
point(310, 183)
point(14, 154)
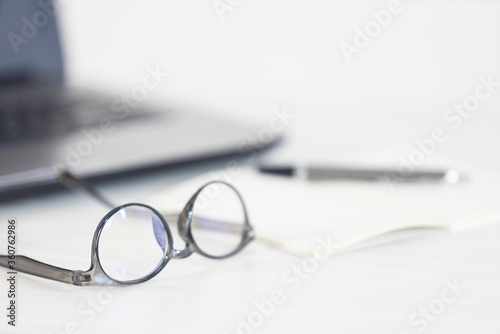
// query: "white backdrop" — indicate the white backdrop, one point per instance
point(246, 58)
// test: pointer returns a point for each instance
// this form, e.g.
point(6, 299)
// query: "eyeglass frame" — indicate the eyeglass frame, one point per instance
point(96, 275)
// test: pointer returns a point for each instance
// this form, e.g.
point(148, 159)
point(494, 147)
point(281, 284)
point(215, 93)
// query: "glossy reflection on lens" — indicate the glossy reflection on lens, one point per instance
point(218, 220)
point(132, 243)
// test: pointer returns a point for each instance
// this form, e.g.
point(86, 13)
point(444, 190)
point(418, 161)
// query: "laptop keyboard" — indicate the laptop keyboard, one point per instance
point(30, 114)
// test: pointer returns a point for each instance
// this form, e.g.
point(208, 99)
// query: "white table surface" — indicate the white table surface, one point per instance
point(374, 290)
point(268, 55)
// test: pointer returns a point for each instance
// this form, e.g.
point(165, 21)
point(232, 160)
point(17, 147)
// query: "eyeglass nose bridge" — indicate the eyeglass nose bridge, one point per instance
point(183, 229)
point(182, 254)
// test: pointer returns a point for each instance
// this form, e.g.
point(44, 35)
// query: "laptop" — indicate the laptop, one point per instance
point(46, 126)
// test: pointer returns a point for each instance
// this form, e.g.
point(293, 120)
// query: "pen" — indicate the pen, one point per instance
point(331, 173)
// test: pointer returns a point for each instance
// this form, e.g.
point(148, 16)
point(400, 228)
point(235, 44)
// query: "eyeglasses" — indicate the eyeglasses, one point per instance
point(133, 242)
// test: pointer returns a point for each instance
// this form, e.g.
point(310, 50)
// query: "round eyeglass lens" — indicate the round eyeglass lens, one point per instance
point(132, 244)
point(218, 220)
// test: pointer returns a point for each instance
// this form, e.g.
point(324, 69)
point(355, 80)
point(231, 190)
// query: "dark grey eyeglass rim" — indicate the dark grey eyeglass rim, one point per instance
point(95, 275)
point(185, 220)
point(96, 265)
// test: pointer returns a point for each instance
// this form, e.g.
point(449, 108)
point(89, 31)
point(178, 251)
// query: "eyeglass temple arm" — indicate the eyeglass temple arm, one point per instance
point(69, 180)
point(33, 267)
point(212, 224)
point(30, 266)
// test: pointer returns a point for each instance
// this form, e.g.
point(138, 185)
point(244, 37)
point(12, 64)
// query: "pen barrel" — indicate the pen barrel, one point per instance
point(386, 175)
point(374, 175)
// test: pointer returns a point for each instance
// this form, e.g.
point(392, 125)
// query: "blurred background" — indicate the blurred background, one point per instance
point(242, 59)
point(355, 83)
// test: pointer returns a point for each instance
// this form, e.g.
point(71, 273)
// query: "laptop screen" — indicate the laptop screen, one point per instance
point(30, 50)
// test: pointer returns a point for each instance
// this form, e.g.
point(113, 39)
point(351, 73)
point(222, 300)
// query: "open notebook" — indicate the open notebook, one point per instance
point(293, 213)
